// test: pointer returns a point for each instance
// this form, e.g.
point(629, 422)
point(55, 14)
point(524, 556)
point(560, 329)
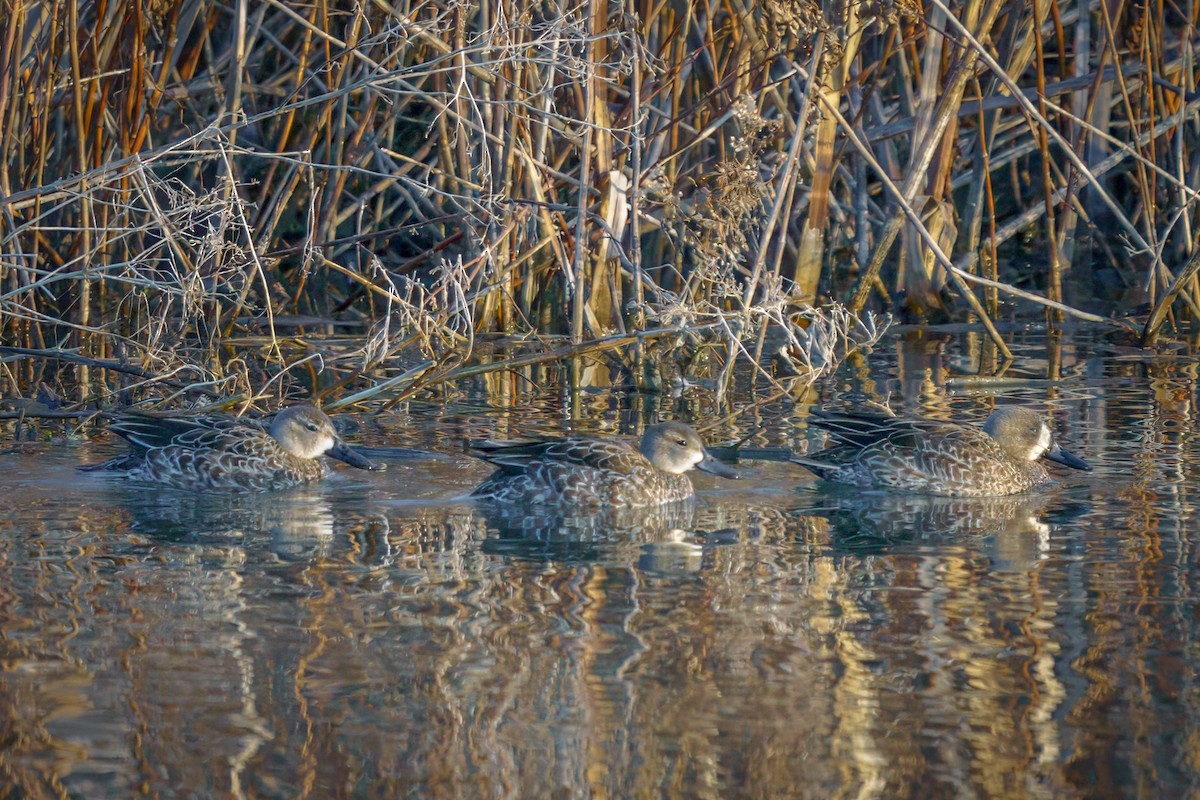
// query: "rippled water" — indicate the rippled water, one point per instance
point(377, 635)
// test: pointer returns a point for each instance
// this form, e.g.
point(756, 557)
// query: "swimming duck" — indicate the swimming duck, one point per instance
point(586, 471)
point(227, 453)
point(936, 457)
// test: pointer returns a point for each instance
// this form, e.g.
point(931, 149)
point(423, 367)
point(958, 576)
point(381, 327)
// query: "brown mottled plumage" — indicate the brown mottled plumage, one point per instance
point(216, 452)
point(935, 457)
point(583, 471)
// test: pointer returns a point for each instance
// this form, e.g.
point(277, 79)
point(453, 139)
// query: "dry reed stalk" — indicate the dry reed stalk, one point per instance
point(1054, 283)
point(833, 79)
point(1043, 124)
point(176, 177)
point(940, 113)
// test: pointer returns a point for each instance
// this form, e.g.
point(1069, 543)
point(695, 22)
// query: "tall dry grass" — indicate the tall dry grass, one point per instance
point(231, 198)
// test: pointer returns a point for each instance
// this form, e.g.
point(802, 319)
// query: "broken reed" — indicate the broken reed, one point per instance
point(176, 177)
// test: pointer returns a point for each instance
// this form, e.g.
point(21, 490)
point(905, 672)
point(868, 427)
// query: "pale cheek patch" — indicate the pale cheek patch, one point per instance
point(1043, 444)
point(320, 447)
point(678, 468)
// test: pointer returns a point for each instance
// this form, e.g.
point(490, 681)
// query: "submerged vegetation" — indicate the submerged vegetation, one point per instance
point(237, 200)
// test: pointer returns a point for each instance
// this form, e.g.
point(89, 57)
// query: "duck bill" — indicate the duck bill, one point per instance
point(1060, 456)
point(343, 452)
point(714, 467)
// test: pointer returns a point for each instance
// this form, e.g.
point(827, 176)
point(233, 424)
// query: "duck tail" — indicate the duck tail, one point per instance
point(821, 469)
point(119, 464)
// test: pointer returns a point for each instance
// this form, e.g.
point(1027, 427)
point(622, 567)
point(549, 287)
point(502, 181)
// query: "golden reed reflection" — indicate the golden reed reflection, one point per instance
point(426, 661)
point(346, 641)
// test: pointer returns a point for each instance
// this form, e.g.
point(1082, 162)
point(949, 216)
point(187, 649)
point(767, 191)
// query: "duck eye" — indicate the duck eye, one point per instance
point(681, 442)
point(312, 426)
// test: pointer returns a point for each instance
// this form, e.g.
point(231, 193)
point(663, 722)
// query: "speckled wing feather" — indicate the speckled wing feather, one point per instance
point(578, 472)
point(207, 452)
point(863, 430)
point(515, 457)
point(148, 431)
point(211, 452)
point(921, 455)
point(912, 454)
point(904, 460)
point(854, 434)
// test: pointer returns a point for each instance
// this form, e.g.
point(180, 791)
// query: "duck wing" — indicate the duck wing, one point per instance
point(864, 430)
point(149, 431)
point(516, 456)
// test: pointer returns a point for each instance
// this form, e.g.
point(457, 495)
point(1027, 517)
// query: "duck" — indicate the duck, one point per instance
point(216, 452)
point(589, 472)
point(914, 454)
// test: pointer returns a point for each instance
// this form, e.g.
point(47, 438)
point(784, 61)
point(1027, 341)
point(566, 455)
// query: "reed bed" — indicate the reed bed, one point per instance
point(231, 201)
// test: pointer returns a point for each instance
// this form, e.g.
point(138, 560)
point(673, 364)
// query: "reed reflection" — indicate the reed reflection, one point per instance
point(387, 640)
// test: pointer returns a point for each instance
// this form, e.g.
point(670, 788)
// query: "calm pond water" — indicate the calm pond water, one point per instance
point(377, 635)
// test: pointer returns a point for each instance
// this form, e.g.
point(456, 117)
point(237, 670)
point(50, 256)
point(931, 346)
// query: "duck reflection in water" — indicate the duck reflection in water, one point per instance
point(1013, 531)
point(673, 538)
point(298, 525)
point(554, 534)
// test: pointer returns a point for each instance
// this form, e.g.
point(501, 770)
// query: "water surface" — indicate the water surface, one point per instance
point(378, 635)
